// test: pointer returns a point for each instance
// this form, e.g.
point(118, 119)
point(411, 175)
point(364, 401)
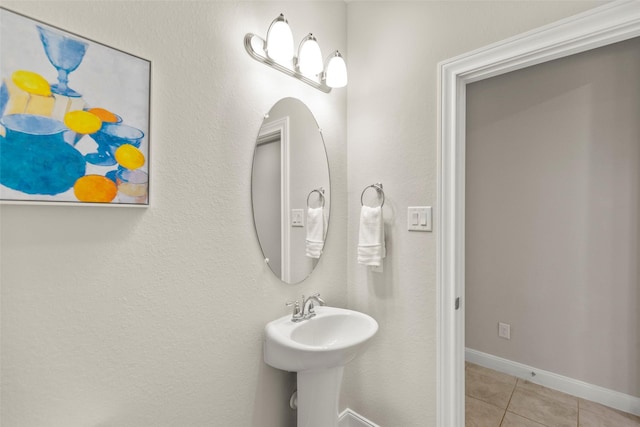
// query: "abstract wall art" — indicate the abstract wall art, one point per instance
point(74, 118)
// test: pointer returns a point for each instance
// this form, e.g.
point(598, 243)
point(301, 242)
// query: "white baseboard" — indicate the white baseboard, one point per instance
point(348, 418)
point(614, 399)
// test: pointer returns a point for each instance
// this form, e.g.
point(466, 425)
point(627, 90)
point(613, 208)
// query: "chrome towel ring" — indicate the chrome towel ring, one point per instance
point(378, 187)
point(320, 192)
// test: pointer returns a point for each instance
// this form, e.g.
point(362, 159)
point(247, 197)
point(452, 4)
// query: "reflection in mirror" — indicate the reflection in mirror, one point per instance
point(290, 190)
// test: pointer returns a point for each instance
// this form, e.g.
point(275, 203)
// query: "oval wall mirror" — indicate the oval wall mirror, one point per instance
point(290, 190)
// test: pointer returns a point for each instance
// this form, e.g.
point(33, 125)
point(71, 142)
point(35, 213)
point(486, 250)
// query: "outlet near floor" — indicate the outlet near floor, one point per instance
point(504, 330)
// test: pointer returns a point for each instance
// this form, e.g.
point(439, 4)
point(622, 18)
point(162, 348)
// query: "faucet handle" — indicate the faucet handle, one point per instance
point(318, 299)
point(296, 309)
point(295, 304)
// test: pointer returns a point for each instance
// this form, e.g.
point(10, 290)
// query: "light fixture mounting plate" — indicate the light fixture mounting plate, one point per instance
point(262, 57)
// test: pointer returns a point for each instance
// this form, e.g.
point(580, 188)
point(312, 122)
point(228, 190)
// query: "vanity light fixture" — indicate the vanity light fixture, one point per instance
point(336, 74)
point(277, 52)
point(279, 45)
point(310, 57)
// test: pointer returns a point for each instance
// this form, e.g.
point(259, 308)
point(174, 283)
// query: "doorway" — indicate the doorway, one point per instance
point(552, 238)
point(598, 27)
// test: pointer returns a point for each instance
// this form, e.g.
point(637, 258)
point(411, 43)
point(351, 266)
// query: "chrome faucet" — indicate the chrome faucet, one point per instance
point(305, 311)
point(307, 305)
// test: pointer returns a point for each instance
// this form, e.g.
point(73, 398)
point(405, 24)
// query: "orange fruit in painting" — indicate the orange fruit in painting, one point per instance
point(82, 122)
point(95, 188)
point(129, 157)
point(104, 115)
point(31, 82)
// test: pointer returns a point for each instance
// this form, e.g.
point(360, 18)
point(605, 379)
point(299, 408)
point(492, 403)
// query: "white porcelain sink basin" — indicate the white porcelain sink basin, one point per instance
point(317, 349)
point(330, 339)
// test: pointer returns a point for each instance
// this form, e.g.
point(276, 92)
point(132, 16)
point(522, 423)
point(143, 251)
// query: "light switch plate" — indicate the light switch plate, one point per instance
point(419, 218)
point(297, 217)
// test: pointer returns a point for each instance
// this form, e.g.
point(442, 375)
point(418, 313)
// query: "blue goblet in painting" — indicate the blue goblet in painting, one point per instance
point(73, 137)
point(109, 138)
point(65, 54)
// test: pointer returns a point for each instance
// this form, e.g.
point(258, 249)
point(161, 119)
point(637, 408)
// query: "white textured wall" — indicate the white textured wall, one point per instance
point(553, 201)
point(394, 48)
point(154, 317)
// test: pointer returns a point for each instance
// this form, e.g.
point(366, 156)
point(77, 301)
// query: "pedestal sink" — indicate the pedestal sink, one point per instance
point(317, 349)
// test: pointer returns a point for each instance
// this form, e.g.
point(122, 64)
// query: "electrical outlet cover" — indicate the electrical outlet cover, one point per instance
point(504, 330)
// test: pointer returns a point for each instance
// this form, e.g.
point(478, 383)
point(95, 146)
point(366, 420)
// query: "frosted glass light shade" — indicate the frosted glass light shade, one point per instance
point(310, 57)
point(280, 41)
point(336, 75)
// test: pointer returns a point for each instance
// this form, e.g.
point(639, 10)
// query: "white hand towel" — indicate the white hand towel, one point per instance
point(315, 232)
point(371, 247)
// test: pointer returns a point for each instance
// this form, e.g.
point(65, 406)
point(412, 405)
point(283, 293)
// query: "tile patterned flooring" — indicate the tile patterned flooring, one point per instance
point(494, 399)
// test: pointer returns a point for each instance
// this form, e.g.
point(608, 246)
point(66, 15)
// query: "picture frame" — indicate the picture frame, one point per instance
point(74, 118)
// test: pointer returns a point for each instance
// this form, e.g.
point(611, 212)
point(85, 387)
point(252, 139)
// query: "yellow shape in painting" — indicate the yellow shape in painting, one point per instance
point(82, 122)
point(40, 105)
point(22, 102)
point(95, 188)
point(104, 115)
point(31, 82)
point(129, 157)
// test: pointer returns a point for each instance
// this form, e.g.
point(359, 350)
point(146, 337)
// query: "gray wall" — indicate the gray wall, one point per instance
point(553, 208)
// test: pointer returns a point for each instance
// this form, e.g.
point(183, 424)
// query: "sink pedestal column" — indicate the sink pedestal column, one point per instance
point(318, 396)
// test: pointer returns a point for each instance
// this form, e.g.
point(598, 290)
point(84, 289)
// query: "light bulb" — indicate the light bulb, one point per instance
point(280, 41)
point(336, 75)
point(309, 56)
